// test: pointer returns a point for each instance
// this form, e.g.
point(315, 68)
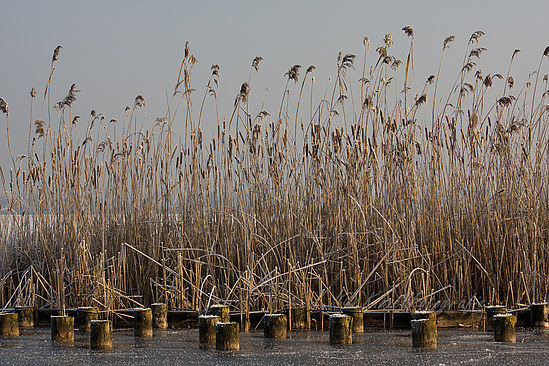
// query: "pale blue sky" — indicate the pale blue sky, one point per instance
point(115, 50)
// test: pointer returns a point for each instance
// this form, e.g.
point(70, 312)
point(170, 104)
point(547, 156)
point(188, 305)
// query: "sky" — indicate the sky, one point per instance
point(116, 50)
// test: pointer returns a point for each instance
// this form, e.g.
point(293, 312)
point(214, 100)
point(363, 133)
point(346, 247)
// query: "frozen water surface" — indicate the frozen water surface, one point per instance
point(374, 347)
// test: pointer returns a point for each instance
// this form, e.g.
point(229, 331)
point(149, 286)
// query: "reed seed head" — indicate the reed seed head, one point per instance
point(475, 37)
point(408, 31)
point(388, 39)
point(488, 81)
point(421, 100)
point(256, 62)
point(243, 94)
point(4, 106)
point(56, 53)
point(39, 127)
point(187, 50)
point(447, 41)
point(506, 101)
point(139, 102)
point(366, 42)
point(293, 73)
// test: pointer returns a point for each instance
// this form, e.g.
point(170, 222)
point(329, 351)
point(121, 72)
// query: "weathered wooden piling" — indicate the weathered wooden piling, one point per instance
point(9, 325)
point(358, 318)
point(424, 314)
point(206, 328)
point(490, 312)
point(275, 326)
point(227, 337)
point(142, 322)
point(160, 315)
point(540, 312)
point(83, 318)
point(26, 316)
point(424, 333)
point(504, 328)
point(341, 331)
point(297, 318)
point(222, 311)
point(62, 329)
point(101, 334)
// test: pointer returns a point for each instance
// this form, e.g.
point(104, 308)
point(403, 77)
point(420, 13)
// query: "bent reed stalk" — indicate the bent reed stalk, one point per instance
point(394, 205)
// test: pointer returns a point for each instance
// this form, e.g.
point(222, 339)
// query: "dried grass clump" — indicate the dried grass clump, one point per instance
point(402, 202)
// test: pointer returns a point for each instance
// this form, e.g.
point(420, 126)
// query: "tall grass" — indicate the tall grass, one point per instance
point(391, 201)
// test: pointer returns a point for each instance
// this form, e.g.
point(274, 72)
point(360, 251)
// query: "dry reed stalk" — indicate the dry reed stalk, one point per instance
point(374, 208)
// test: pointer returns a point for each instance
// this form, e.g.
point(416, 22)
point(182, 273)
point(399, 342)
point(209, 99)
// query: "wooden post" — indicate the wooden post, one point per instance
point(222, 311)
point(425, 314)
point(226, 336)
point(490, 312)
point(62, 329)
point(504, 328)
point(142, 320)
point(206, 328)
point(100, 334)
point(424, 333)
point(9, 325)
point(540, 315)
point(84, 316)
point(275, 326)
point(341, 331)
point(160, 315)
point(26, 316)
point(358, 318)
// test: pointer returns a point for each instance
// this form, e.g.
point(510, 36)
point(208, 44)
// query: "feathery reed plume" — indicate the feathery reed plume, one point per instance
point(382, 50)
point(447, 41)
point(488, 83)
point(243, 94)
point(348, 60)
point(388, 39)
point(421, 100)
point(506, 100)
point(475, 37)
point(408, 31)
point(256, 61)
point(39, 127)
point(139, 102)
point(187, 51)
point(262, 115)
point(69, 99)
point(56, 53)
point(293, 73)
point(4, 106)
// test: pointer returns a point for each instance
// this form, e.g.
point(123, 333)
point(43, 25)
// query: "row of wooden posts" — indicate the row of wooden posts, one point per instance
point(215, 326)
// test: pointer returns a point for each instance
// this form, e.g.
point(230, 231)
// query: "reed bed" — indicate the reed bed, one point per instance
point(373, 196)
